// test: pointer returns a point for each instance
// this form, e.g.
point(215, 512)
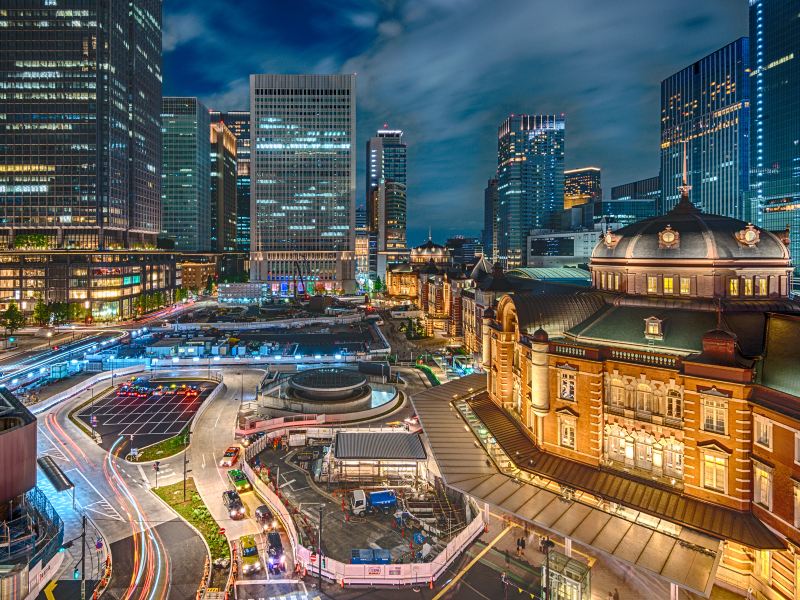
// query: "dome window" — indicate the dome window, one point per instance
point(668, 238)
point(749, 236)
point(653, 328)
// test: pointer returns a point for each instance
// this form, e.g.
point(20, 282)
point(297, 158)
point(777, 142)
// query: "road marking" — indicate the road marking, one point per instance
point(285, 483)
point(219, 416)
point(471, 563)
point(204, 460)
point(48, 591)
point(95, 489)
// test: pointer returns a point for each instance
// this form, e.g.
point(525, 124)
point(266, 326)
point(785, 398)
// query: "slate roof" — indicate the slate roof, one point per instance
point(702, 236)
point(780, 368)
point(556, 312)
point(373, 445)
point(554, 274)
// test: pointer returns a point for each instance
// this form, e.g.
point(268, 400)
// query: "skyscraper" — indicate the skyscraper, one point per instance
point(80, 156)
point(490, 218)
point(238, 121)
point(530, 181)
point(706, 106)
point(386, 169)
point(302, 130)
point(185, 176)
point(582, 186)
point(80, 124)
point(775, 118)
point(223, 188)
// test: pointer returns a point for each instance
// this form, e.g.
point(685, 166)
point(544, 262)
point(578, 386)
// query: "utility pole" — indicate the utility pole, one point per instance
point(319, 549)
point(83, 559)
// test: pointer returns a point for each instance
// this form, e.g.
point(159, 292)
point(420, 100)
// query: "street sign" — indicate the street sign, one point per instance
point(222, 531)
point(313, 557)
point(94, 420)
point(98, 544)
point(134, 452)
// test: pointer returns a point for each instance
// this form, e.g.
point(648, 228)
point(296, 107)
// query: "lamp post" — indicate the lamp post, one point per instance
point(319, 548)
point(547, 546)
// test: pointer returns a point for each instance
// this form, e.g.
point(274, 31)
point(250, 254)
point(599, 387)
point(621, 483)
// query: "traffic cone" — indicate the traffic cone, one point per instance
point(341, 582)
point(431, 583)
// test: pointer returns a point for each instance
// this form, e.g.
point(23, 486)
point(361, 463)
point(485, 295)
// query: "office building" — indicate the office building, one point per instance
point(530, 181)
point(706, 108)
point(386, 181)
point(223, 188)
point(490, 206)
point(80, 125)
point(362, 247)
point(464, 250)
point(649, 188)
point(238, 121)
point(582, 186)
point(81, 156)
point(185, 176)
point(775, 119)
point(302, 131)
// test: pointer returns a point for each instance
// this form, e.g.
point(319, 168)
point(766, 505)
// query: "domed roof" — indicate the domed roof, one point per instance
point(685, 232)
point(429, 248)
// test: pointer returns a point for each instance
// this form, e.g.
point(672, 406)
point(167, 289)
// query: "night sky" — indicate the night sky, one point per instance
point(448, 72)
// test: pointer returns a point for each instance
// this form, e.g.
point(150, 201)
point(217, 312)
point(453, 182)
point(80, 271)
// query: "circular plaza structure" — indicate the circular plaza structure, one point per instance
point(328, 384)
point(328, 390)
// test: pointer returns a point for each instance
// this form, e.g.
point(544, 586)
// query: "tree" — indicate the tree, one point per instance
point(209, 285)
point(12, 318)
point(41, 313)
point(378, 285)
point(59, 312)
point(76, 312)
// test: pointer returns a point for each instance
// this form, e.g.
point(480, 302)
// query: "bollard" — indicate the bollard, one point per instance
point(341, 582)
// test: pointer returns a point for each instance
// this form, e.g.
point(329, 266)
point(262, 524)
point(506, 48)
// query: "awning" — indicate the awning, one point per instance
point(689, 559)
point(54, 474)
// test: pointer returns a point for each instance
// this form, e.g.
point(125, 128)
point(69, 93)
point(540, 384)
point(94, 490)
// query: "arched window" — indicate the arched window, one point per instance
point(673, 458)
point(617, 391)
point(615, 442)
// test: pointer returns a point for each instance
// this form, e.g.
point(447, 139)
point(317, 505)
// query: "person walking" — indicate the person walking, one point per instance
point(615, 596)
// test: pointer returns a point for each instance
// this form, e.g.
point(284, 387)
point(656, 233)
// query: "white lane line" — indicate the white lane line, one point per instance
point(219, 416)
point(285, 483)
point(96, 491)
point(53, 444)
point(144, 477)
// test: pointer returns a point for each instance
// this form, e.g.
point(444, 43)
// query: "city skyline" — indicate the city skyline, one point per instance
point(442, 114)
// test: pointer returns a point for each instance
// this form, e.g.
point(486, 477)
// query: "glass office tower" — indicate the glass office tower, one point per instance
point(80, 98)
point(490, 204)
point(649, 188)
point(530, 181)
point(302, 192)
point(775, 119)
point(706, 107)
point(238, 121)
point(223, 188)
point(186, 183)
point(386, 171)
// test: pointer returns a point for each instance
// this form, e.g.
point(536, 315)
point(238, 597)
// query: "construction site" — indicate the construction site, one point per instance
point(384, 513)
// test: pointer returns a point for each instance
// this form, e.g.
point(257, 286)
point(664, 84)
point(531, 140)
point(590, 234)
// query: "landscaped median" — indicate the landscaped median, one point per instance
point(164, 448)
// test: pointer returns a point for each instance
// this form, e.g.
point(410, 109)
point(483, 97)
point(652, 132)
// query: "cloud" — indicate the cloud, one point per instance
point(448, 72)
point(181, 28)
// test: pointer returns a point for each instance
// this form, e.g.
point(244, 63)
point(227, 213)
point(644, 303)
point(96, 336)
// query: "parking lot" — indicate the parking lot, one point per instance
point(145, 418)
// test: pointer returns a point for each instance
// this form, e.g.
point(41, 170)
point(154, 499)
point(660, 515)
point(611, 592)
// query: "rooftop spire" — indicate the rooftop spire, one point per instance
point(685, 187)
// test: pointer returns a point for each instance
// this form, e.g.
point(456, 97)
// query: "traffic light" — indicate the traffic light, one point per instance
point(76, 573)
point(11, 340)
point(66, 545)
point(156, 466)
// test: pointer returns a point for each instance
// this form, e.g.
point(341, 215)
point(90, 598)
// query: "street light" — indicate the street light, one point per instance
point(547, 546)
point(49, 339)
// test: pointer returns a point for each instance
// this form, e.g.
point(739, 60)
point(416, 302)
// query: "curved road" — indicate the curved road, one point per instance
point(156, 555)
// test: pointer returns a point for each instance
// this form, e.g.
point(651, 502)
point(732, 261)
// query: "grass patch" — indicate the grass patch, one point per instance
point(196, 512)
point(429, 373)
point(165, 448)
point(78, 422)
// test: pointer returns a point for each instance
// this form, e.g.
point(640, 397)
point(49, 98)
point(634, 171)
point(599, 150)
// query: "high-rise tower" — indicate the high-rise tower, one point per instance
point(80, 126)
point(238, 121)
point(186, 184)
point(775, 119)
point(530, 181)
point(707, 106)
point(302, 131)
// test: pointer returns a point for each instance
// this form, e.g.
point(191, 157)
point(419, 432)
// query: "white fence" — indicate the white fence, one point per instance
point(346, 574)
point(83, 385)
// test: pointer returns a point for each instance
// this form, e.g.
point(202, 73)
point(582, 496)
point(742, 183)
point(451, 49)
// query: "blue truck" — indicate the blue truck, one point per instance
point(362, 502)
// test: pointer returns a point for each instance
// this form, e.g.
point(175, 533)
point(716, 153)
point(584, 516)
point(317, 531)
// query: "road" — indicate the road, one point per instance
point(156, 555)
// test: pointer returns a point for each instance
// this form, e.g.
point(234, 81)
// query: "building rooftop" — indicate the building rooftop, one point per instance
point(378, 446)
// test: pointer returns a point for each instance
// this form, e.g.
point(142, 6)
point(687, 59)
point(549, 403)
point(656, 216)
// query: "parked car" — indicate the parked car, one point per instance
point(230, 457)
point(233, 503)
